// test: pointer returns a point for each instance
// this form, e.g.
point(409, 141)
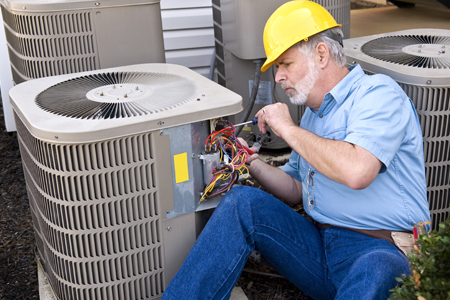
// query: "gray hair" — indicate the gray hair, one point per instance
point(336, 50)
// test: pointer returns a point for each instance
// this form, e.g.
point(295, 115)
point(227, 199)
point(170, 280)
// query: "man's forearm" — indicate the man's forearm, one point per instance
point(276, 182)
point(338, 160)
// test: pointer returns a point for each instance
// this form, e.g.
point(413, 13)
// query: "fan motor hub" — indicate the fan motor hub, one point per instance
point(427, 50)
point(123, 92)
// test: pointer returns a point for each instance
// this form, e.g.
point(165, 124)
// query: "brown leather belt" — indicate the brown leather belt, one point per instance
point(378, 234)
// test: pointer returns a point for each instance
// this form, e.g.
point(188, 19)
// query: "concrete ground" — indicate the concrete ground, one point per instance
point(371, 21)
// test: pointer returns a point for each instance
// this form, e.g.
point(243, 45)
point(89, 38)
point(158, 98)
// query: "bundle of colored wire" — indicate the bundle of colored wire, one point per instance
point(232, 161)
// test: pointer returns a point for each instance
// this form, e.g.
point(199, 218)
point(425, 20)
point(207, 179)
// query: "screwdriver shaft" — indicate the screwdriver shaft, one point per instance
point(253, 121)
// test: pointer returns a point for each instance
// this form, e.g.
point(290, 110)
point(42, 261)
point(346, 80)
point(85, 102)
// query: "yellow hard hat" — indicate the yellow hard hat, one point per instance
point(291, 23)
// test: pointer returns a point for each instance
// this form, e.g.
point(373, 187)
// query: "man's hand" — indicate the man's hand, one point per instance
point(275, 181)
point(276, 116)
point(254, 149)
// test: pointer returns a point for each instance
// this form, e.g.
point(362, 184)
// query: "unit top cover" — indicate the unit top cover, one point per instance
point(104, 104)
point(416, 56)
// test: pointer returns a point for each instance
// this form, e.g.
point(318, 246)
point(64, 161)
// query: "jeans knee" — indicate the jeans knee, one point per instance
point(245, 201)
point(236, 200)
point(240, 196)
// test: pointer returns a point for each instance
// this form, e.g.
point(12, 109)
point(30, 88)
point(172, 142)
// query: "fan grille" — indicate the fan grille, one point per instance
point(117, 95)
point(422, 51)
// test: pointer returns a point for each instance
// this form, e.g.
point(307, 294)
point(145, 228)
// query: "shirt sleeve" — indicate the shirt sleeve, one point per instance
point(378, 119)
point(292, 166)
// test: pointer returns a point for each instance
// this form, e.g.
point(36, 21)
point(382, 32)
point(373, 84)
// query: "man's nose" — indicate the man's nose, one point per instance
point(280, 76)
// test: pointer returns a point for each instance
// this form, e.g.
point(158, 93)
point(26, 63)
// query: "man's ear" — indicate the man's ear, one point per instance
point(323, 55)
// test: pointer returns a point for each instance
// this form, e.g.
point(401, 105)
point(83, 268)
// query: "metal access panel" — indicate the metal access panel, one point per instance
point(242, 24)
point(47, 38)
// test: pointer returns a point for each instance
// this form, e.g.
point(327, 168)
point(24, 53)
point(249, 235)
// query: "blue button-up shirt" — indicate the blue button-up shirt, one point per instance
point(374, 113)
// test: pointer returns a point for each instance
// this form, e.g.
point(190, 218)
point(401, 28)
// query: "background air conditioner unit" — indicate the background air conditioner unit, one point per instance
point(419, 60)
point(111, 161)
point(238, 31)
point(54, 37)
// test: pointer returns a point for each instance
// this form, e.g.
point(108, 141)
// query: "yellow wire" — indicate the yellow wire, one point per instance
point(236, 160)
point(210, 187)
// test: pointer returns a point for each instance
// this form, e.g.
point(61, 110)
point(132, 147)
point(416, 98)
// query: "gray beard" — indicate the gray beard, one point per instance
point(303, 88)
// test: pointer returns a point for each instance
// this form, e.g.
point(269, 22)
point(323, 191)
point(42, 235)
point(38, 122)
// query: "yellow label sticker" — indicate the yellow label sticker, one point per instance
point(181, 167)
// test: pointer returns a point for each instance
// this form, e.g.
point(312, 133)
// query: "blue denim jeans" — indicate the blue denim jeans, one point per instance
point(330, 263)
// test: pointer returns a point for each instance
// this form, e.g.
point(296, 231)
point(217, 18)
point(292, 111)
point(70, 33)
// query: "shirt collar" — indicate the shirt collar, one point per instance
point(342, 89)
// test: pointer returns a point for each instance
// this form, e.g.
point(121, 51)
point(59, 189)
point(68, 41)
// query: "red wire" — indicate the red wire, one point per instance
point(227, 131)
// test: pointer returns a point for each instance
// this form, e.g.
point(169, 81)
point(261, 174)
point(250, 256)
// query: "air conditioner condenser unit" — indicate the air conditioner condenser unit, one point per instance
point(113, 174)
point(419, 60)
point(55, 37)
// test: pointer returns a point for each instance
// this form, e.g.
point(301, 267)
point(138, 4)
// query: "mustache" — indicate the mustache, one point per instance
point(287, 86)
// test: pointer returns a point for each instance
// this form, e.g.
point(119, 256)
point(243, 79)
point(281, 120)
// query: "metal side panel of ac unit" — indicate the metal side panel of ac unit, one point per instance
point(98, 210)
point(419, 60)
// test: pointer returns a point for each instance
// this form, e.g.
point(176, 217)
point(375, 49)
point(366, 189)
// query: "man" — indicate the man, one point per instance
point(357, 165)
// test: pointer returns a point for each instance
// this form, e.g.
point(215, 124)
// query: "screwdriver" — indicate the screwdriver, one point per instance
point(254, 121)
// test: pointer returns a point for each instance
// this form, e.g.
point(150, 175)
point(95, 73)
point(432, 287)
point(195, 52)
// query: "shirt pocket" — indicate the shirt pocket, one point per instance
point(337, 134)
